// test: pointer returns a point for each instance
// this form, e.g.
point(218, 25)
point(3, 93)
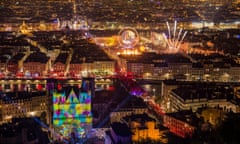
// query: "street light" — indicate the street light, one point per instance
point(154, 90)
point(6, 63)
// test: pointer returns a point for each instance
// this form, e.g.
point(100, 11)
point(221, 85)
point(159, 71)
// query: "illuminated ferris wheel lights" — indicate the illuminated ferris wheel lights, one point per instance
point(130, 52)
point(128, 37)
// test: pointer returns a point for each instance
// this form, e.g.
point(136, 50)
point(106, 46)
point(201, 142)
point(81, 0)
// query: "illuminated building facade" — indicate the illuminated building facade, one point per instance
point(199, 96)
point(118, 115)
point(36, 63)
point(144, 128)
point(49, 54)
point(181, 123)
point(59, 65)
point(134, 106)
point(72, 108)
point(24, 28)
point(97, 68)
point(177, 66)
point(24, 104)
point(89, 59)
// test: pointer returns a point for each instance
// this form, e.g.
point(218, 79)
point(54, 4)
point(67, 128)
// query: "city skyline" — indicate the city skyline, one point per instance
point(129, 71)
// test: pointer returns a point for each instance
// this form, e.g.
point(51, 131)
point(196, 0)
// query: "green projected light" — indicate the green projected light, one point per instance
point(71, 107)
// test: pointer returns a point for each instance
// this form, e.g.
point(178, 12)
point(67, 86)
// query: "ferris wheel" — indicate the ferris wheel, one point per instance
point(128, 37)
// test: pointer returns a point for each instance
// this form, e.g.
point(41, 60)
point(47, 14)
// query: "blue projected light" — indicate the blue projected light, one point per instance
point(71, 107)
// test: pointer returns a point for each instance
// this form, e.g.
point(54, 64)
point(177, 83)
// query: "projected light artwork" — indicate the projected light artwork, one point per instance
point(71, 108)
point(72, 116)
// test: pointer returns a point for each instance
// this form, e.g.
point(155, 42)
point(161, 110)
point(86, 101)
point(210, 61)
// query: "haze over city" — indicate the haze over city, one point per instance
point(119, 72)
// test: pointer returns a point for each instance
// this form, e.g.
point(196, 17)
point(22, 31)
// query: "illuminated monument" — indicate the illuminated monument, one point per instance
point(72, 108)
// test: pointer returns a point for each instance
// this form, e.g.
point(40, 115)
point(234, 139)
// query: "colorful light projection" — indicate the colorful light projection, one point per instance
point(71, 106)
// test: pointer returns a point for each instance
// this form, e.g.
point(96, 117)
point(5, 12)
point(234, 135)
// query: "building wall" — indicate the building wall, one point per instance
point(34, 67)
point(177, 103)
point(136, 68)
point(178, 127)
point(103, 67)
point(59, 67)
point(234, 73)
point(75, 68)
point(118, 115)
point(149, 133)
point(173, 70)
point(33, 106)
point(12, 67)
point(97, 68)
point(166, 89)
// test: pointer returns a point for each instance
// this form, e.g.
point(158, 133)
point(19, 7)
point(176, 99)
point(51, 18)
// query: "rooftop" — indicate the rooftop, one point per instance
point(150, 57)
point(121, 129)
point(20, 95)
point(186, 116)
point(134, 102)
point(141, 118)
point(37, 57)
point(204, 90)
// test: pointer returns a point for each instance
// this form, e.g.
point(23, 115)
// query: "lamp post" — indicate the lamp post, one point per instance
point(6, 63)
point(154, 90)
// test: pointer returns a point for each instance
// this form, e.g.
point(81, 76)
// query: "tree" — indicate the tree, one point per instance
point(43, 117)
point(230, 129)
